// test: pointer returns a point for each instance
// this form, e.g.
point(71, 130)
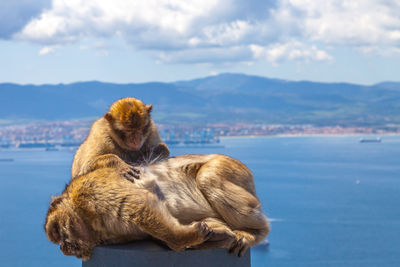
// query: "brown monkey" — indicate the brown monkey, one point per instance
point(198, 201)
point(127, 131)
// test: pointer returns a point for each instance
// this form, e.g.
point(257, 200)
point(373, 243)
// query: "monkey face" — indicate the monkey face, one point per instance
point(134, 140)
point(129, 120)
point(131, 135)
point(65, 228)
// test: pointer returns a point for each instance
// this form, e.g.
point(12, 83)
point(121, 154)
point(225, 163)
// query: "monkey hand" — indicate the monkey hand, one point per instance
point(130, 173)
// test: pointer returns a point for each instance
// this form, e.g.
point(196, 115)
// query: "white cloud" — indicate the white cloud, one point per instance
point(15, 14)
point(290, 51)
point(48, 50)
point(213, 73)
point(344, 22)
point(208, 55)
point(68, 21)
point(199, 31)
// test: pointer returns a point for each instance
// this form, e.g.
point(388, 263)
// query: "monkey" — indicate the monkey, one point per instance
point(127, 131)
point(188, 201)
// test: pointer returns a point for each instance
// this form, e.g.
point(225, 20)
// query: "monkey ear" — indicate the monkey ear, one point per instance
point(53, 231)
point(149, 108)
point(108, 116)
point(52, 227)
point(55, 200)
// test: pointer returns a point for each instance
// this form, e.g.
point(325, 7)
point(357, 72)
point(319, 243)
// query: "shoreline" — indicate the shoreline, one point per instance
point(358, 135)
point(308, 135)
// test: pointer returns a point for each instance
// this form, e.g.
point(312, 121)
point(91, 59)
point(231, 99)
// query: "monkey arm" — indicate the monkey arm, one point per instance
point(162, 151)
point(152, 217)
point(155, 153)
point(155, 148)
point(113, 161)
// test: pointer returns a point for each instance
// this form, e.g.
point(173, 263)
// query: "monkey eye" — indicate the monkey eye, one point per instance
point(119, 132)
point(135, 124)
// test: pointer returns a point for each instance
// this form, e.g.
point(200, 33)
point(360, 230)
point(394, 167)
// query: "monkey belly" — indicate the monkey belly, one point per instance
point(187, 204)
point(180, 194)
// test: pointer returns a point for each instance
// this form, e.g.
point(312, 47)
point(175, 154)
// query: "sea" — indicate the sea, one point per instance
point(332, 201)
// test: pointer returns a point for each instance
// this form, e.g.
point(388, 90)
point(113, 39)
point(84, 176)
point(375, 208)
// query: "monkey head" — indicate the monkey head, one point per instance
point(64, 227)
point(130, 122)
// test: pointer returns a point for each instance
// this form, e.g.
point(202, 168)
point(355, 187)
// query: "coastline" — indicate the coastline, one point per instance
point(308, 135)
point(355, 135)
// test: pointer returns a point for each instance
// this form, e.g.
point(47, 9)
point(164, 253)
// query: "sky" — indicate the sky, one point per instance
point(123, 41)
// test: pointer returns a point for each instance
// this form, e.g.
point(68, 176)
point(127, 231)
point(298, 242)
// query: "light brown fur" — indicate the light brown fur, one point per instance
point(198, 201)
point(126, 131)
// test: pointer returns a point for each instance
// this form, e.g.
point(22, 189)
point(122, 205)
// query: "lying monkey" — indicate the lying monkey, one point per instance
point(197, 201)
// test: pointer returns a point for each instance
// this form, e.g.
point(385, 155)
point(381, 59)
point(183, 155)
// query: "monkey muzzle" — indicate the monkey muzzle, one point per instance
point(74, 249)
point(69, 249)
point(135, 141)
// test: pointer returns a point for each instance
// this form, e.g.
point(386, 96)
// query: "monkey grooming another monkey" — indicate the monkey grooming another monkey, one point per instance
point(197, 201)
point(126, 131)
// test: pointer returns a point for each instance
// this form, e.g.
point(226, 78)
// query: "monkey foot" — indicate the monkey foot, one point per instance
point(239, 247)
point(205, 231)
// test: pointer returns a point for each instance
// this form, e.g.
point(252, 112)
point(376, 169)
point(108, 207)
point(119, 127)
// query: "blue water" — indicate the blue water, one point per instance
point(333, 200)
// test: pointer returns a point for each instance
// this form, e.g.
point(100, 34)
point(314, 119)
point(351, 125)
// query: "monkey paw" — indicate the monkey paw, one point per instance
point(204, 230)
point(196, 233)
point(131, 174)
point(239, 246)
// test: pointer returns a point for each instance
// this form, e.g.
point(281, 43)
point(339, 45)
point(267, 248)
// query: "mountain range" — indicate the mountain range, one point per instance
point(224, 98)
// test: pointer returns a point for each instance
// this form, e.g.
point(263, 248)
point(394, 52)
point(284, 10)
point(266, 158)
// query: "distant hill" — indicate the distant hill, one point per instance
point(223, 98)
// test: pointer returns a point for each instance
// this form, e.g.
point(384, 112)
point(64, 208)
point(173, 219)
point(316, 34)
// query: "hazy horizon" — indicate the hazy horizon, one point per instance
point(202, 77)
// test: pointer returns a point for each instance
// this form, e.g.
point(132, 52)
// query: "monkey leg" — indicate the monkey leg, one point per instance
point(228, 186)
point(152, 217)
point(113, 161)
point(222, 236)
point(241, 212)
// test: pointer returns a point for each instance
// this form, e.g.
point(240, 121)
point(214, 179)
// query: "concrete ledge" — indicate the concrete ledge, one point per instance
point(149, 253)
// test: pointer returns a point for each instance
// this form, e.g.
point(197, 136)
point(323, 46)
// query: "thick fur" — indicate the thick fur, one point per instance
point(198, 201)
point(126, 131)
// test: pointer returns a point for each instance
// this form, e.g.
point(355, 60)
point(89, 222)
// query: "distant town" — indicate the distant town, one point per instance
point(70, 134)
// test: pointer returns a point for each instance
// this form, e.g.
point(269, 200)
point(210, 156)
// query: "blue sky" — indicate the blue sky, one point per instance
point(57, 41)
